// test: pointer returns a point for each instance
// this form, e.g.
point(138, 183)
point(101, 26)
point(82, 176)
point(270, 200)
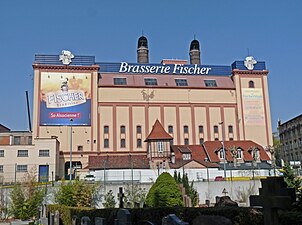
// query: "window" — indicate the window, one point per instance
point(80, 147)
point(239, 154)
point(123, 143)
point(170, 129)
point(216, 139)
point(123, 130)
point(181, 82)
point(216, 129)
point(106, 129)
point(1, 153)
point(120, 81)
point(106, 143)
point(186, 156)
point(17, 140)
point(44, 153)
point(201, 140)
point(139, 143)
point(30, 140)
point(186, 141)
point(21, 168)
point(1, 168)
point(186, 129)
point(200, 128)
point(251, 84)
point(150, 81)
point(230, 129)
point(221, 155)
point(138, 129)
point(160, 146)
point(210, 83)
point(22, 153)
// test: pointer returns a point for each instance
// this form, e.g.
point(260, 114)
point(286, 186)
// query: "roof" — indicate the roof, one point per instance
point(158, 133)
point(4, 128)
point(166, 81)
point(118, 162)
point(212, 147)
point(197, 152)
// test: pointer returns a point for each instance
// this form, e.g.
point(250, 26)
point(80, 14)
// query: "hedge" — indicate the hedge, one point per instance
point(239, 216)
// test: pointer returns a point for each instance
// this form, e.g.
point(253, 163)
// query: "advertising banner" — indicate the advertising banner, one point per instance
point(65, 96)
point(253, 106)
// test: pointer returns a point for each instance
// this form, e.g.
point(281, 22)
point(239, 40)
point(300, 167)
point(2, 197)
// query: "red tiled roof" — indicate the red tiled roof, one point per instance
point(167, 81)
point(211, 147)
point(118, 162)
point(158, 133)
point(197, 154)
point(4, 129)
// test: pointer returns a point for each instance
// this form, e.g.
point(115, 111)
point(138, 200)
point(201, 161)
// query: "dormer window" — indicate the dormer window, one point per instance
point(150, 81)
point(221, 155)
point(120, 81)
point(239, 153)
point(181, 82)
point(210, 83)
point(186, 156)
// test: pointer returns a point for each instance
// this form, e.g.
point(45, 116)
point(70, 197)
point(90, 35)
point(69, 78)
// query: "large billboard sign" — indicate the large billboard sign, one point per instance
point(65, 96)
point(253, 106)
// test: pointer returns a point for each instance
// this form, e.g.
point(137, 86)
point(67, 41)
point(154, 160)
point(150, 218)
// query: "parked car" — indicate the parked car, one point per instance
point(219, 178)
point(89, 177)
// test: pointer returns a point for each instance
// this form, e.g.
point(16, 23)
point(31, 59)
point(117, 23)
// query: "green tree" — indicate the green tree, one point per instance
point(77, 194)
point(164, 192)
point(175, 176)
point(289, 177)
point(25, 198)
point(293, 182)
point(190, 190)
point(109, 201)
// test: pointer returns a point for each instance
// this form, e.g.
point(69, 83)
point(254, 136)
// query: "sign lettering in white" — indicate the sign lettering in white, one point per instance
point(164, 69)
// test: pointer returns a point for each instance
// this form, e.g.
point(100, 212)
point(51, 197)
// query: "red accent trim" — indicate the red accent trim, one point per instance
point(131, 128)
point(162, 115)
point(208, 123)
point(91, 115)
point(250, 73)
point(225, 105)
point(39, 104)
point(223, 125)
point(99, 130)
point(178, 124)
point(147, 119)
point(164, 87)
point(114, 127)
point(237, 123)
point(242, 116)
point(193, 124)
point(65, 68)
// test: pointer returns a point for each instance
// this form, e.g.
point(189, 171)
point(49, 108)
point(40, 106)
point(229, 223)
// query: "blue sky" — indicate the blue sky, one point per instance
point(271, 30)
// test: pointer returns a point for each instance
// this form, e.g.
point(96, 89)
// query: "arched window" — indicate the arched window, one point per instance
point(251, 84)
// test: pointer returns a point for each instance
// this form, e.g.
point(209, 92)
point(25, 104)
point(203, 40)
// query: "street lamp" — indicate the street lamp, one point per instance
point(223, 149)
point(70, 163)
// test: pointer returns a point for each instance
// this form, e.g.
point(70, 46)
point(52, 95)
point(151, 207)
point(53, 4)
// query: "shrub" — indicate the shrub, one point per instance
point(164, 192)
point(77, 193)
point(25, 199)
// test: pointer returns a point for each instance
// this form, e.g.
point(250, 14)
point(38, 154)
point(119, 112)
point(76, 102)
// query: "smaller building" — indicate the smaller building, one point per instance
point(290, 133)
point(19, 157)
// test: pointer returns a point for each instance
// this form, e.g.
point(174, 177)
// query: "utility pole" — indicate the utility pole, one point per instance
point(223, 149)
